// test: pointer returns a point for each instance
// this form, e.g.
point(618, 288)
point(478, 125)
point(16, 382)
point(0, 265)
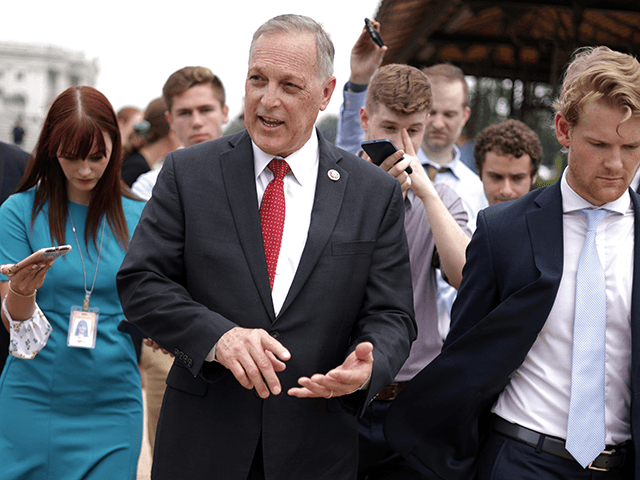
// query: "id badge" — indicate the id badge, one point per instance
point(83, 327)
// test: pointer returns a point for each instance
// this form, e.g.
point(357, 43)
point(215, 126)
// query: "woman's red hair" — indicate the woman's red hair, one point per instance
point(74, 127)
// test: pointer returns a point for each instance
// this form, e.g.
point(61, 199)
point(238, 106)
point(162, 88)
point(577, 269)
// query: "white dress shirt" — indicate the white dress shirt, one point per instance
point(144, 184)
point(538, 395)
point(464, 181)
point(299, 193)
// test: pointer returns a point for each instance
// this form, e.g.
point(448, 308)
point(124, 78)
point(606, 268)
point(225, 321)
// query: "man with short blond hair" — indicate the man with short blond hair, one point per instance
point(448, 115)
point(438, 154)
point(435, 221)
point(538, 376)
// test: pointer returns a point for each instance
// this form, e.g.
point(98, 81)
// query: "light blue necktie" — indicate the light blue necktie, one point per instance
point(585, 429)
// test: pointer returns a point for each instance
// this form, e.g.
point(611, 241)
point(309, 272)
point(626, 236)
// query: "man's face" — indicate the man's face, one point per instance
point(283, 93)
point(197, 115)
point(386, 123)
point(604, 154)
point(447, 117)
point(506, 177)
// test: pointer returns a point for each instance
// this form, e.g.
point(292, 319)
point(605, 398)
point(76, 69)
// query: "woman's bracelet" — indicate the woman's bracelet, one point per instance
point(22, 295)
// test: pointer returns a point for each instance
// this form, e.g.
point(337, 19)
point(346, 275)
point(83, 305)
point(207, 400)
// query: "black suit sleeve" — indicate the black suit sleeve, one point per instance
point(389, 328)
point(152, 282)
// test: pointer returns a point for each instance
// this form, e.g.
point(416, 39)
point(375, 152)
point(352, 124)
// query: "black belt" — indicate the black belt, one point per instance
point(612, 457)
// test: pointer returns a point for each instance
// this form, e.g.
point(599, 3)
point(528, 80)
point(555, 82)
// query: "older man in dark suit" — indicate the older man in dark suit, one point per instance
point(537, 378)
point(275, 267)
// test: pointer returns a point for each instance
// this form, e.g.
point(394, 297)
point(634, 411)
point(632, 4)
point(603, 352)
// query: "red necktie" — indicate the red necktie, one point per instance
point(272, 211)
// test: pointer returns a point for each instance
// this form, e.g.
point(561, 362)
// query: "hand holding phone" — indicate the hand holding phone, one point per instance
point(43, 255)
point(380, 150)
point(375, 35)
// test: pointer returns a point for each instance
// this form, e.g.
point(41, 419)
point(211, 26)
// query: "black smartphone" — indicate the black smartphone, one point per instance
point(375, 35)
point(379, 150)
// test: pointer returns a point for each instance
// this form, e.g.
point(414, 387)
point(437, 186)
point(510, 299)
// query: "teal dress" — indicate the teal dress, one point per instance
point(70, 413)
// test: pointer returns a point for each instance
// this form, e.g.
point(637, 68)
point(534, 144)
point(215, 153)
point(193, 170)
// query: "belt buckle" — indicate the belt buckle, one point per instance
point(600, 469)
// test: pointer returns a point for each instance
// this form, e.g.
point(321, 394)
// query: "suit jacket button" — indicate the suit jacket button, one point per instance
point(176, 352)
point(275, 335)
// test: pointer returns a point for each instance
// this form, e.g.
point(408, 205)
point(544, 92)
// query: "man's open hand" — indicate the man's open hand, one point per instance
point(342, 380)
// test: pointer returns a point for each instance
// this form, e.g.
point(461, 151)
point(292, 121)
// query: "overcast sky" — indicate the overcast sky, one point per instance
point(139, 43)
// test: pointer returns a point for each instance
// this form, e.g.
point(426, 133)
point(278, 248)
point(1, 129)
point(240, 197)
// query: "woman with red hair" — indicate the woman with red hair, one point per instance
point(69, 409)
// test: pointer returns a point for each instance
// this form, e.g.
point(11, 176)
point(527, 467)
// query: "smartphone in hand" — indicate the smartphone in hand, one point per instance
point(373, 33)
point(42, 255)
point(380, 150)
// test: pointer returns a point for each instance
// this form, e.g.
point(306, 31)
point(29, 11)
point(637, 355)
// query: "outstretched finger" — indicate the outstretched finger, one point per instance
point(407, 144)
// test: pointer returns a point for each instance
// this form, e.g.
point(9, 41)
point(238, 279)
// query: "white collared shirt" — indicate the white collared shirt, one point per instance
point(538, 395)
point(464, 181)
point(299, 193)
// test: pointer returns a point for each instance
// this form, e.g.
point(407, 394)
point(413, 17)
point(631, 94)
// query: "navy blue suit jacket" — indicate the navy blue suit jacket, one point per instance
point(196, 268)
point(510, 281)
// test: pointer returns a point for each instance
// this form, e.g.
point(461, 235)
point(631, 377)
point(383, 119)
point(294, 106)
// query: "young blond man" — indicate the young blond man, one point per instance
point(397, 106)
point(538, 375)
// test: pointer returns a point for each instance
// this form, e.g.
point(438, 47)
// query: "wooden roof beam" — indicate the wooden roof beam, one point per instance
point(440, 9)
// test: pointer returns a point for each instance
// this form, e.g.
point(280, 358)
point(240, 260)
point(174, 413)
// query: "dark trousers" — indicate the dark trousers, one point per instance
point(377, 461)
point(256, 472)
point(507, 459)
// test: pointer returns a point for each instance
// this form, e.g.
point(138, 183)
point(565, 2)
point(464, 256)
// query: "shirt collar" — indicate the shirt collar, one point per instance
point(302, 162)
point(454, 165)
point(572, 201)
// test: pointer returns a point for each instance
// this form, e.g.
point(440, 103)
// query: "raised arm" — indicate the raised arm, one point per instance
point(366, 57)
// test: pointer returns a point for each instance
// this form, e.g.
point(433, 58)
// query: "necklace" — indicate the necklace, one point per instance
point(87, 293)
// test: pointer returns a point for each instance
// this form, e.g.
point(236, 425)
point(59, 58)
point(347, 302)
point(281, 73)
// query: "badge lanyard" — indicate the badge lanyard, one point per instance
point(83, 321)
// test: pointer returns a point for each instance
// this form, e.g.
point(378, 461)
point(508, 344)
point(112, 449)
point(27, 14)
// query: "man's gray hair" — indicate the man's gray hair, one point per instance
point(301, 24)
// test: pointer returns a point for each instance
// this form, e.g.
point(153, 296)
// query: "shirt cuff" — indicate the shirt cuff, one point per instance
point(355, 87)
point(27, 337)
point(211, 357)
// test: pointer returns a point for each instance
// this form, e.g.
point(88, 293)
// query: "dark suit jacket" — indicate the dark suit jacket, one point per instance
point(13, 161)
point(510, 281)
point(196, 268)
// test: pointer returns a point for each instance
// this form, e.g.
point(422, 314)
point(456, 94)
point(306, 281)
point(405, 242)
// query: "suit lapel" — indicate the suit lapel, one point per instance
point(530, 304)
point(545, 231)
point(324, 215)
point(635, 294)
point(238, 176)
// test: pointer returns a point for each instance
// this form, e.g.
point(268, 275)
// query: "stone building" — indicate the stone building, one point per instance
point(31, 76)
